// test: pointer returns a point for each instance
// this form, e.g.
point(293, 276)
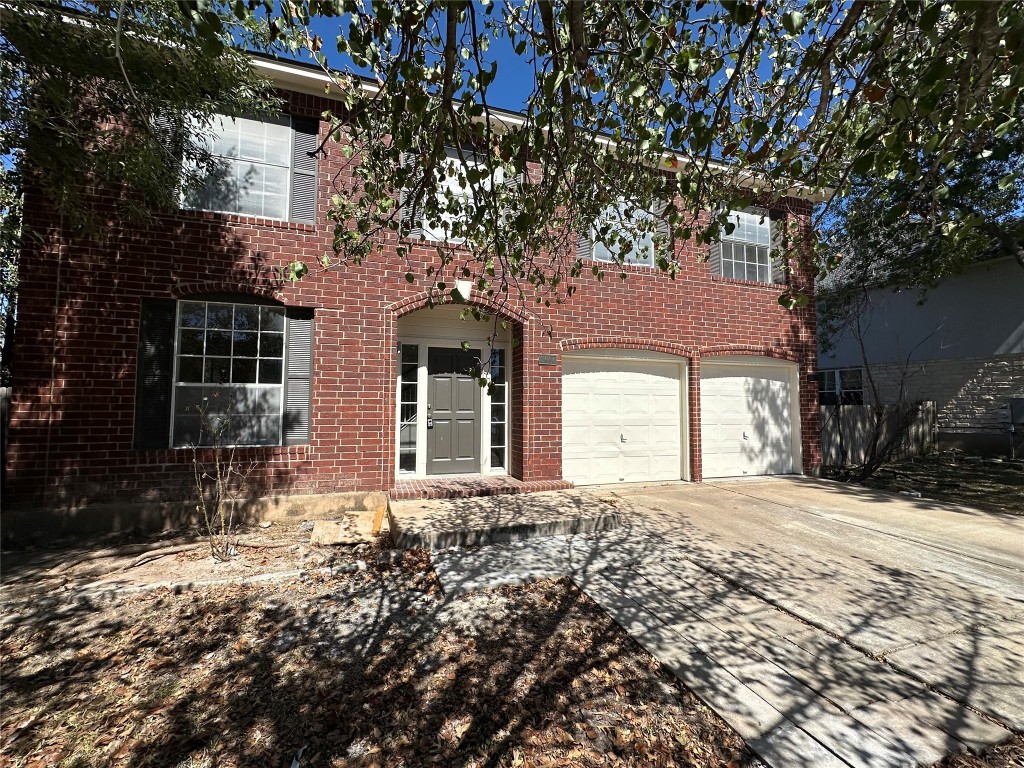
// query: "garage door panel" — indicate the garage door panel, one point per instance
point(632, 408)
point(746, 420)
point(665, 406)
point(635, 468)
point(601, 470)
point(605, 453)
point(663, 435)
point(601, 434)
point(576, 410)
point(606, 400)
point(576, 435)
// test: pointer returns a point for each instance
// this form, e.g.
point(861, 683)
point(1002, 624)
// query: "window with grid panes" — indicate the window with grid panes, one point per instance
point(615, 220)
point(260, 168)
point(229, 374)
point(408, 403)
point(499, 409)
point(454, 197)
point(746, 249)
point(841, 386)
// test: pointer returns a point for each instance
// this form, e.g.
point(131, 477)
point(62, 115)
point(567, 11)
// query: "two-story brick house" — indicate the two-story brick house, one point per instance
point(346, 381)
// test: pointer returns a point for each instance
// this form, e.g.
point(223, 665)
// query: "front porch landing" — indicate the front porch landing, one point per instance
point(462, 486)
point(459, 522)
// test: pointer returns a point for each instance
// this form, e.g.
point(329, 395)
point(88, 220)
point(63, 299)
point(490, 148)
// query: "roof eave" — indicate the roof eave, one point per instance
point(312, 80)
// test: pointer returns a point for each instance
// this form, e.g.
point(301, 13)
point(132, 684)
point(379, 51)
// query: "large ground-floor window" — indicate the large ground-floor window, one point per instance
point(222, 370)
point(229, 374)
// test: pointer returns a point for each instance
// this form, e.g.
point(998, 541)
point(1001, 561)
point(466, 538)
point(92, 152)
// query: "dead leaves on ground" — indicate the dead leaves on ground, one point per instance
point(987, 485)
point(249, 675)
point(239, 676)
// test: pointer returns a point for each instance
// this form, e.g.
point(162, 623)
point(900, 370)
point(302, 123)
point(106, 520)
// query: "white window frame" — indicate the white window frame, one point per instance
point(455, 171)
point(420, 409)
point(289, 170)
point(175, 384)
point(758, 218)
point(836, 388)
point(613, 216)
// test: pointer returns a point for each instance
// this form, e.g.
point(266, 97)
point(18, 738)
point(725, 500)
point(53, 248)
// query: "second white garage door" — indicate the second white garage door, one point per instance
point(621, 420)
point(746, 414)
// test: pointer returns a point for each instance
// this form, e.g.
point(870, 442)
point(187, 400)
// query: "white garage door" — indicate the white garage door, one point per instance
point(746, 415)
point(620, 420)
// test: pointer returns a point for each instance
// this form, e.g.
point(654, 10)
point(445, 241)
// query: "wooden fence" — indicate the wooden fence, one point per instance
point(846, 432)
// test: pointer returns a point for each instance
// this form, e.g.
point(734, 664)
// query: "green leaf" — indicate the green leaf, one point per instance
point(900, 108)
point(794, 22)
point(295, 271)
point(864, 163)
point(794, 302)
point(742, 13)
point(930, 16)
point(1005, 128)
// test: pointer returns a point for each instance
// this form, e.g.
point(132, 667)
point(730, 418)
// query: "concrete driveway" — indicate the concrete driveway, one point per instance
point(830, 625)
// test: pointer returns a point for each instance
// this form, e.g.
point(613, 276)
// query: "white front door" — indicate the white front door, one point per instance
point(621, 420)
point(746, 419)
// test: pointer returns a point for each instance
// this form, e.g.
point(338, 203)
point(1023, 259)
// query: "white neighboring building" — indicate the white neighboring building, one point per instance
point(963, 348)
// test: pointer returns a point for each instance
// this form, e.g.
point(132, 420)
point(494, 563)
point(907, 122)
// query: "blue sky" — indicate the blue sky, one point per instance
point(512, 85)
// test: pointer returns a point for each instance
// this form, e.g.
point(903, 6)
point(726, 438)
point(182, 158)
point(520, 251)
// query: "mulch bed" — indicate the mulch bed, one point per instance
point(1010, 754)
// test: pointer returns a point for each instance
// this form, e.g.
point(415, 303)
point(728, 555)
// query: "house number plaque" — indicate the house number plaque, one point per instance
point(547, 360)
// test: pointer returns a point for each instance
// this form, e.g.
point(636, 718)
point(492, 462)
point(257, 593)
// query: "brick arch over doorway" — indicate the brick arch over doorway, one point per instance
point(426, 299)
point(436, 331)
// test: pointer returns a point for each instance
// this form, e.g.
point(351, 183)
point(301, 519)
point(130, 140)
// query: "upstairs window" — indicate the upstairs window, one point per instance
point(841, 386)
point(625, 233)
point(260, 168)
point(453, 204)
point(745, 249)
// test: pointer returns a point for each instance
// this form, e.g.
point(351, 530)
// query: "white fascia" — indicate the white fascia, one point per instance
point(304, 79)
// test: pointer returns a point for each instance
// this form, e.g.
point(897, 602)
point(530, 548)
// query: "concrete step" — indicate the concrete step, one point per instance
point(443, 523)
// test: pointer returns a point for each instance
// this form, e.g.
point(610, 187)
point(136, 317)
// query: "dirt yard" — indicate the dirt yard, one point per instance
point(996, 486)
point(360, 668)
point(297, 655)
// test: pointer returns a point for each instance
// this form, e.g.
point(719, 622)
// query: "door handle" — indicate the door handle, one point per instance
point(622, 438)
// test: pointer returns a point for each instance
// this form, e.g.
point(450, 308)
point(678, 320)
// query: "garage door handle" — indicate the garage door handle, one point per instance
point(622, 437)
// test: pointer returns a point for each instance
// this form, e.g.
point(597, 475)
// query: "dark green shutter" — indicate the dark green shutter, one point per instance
point(298, 387)
point(777, 250)
point(304, 145)
point(170, 134)
point(154, 371)
point(410, 217)
point(662, 231)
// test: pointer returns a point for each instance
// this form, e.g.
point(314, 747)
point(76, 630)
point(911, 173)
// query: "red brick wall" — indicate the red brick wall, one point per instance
point(70, 438)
